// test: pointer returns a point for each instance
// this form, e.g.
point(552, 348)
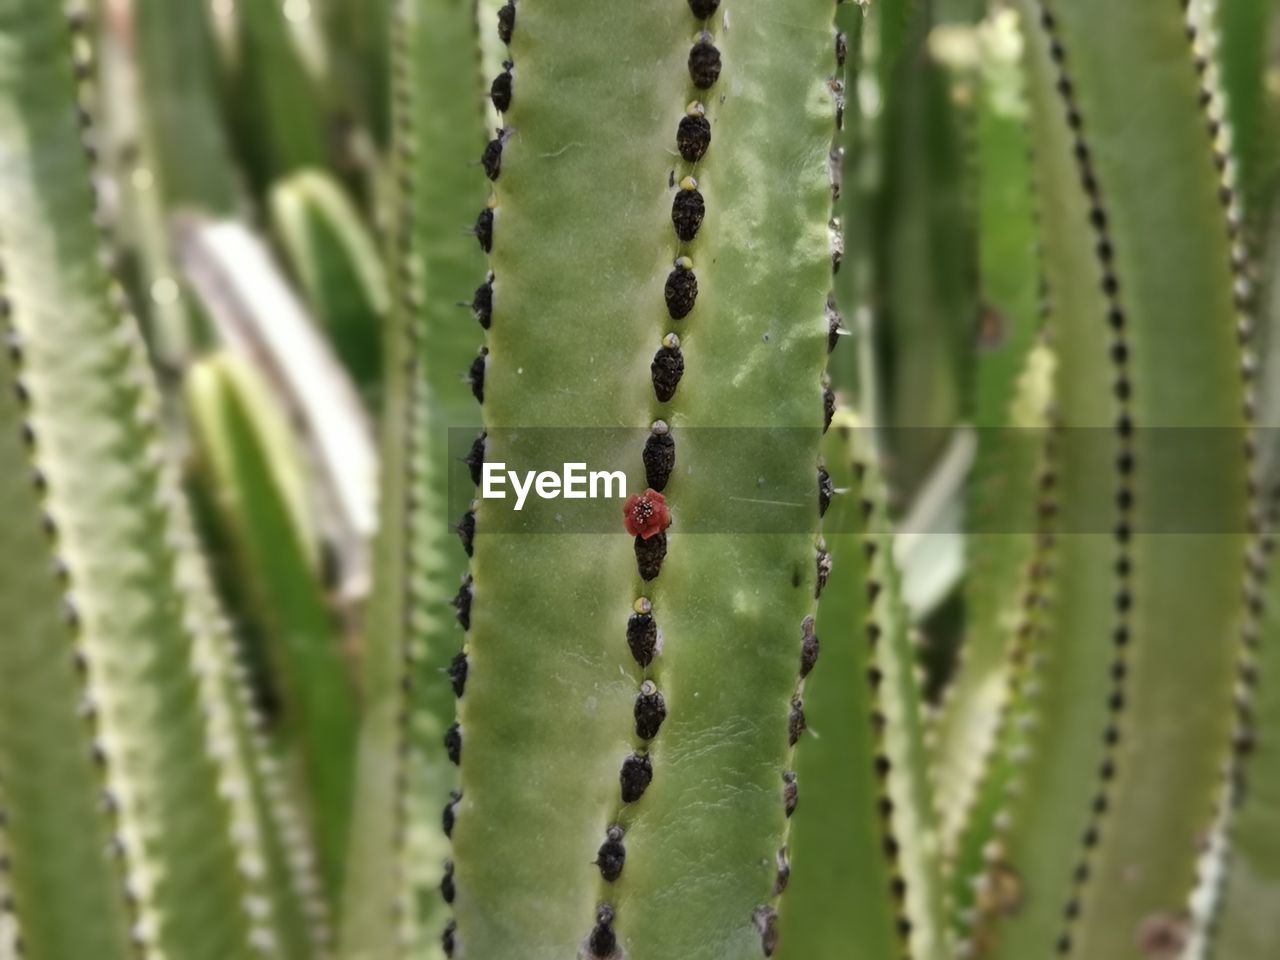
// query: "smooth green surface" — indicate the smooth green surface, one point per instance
point(924, 261)
point(254, 473)
point(1008, 555)
point(1001, 489)
point(405, 778)
point(156, 671)
point(1173, 261)
point(1245, 32)
point(358, 33)
point(547, 717)
point(840, 900)
point(182, 119)
point(55, 831)
point(1055, 780)
point(1248, 923)
point(1136, 90)
point(336, 262)
point(276, 99)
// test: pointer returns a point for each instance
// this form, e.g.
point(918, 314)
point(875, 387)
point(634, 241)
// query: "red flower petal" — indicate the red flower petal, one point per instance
point(646, 514)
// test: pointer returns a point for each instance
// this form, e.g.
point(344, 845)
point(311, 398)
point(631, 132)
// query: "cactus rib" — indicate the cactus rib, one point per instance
point(1101, 274)
point(412, 639)
point(156, 670)
point(517, 820)
point(872, 888)
point(1001, 489)
point(47, 789)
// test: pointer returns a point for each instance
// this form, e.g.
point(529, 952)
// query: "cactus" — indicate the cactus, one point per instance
point(718, 668)
point(712, 720)
point(152, 713)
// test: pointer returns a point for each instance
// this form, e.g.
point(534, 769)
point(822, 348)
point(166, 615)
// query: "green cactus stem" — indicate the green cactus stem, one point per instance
point(1246, 923)
point(251, 469)
point(182, 118)
point(161, 708)
point(1011, 387)
point(1135, 681)
point(414, 635)
point(558, 720)
point(337, 265)
point(866, 880)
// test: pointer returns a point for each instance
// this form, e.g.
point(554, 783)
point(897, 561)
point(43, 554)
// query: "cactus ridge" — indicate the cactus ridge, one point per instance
point(643, 632)
point(907, 810)
point(408, 329)
point(97, 728)
point(11, 945)
point(208, 700)
point(981, 894)
point(1201, 36)
point(124, 795)
point(1122, 390)
point(501, 94)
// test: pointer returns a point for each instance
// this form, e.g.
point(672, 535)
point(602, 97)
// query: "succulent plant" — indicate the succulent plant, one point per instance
point(937, 619)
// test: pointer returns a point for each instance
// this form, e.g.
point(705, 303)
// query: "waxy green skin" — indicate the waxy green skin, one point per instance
point(1137, 93)
point(405, 779)
point(70, 902)
point(923, 275)
point(1010, 400)
point(1247, 924)
point(182, 120)
point(336, 262)
point(252, 469)
point(170, 713)
point(840, 898)
point(547, 714)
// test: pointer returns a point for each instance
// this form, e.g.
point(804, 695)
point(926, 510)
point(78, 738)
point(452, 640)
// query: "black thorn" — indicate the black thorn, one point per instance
point(650, 711)
point(766, 921)
point(790, 792)
point(666, 370)
point(501, 90)
point(650, 554)
point(484, 229)
point(693, 136)
point(603, 942)
point(475, 376)
point(687, 210)
point(810, 647)
point(635, 777)
point(826, 490)
point(475, 458)
point(450, 813)
point(446, 883)
point(453, 743)
point(824, 571)
point(612, 855)
point(507, 22)
point(704, 63)
point(467, 532)
point(482, 303)
point(491, 159)
point(681, 290)
point(659, 457)
point(642, 637)
point(458, 674)
point(796, 723)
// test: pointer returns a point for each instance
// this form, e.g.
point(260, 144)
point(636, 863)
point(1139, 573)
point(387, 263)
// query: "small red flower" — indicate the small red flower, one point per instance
point(646, 514)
